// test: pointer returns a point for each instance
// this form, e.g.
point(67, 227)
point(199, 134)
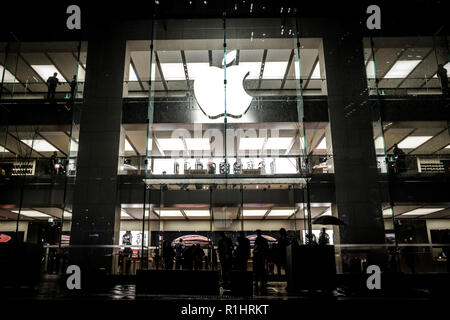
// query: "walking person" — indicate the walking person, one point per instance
point(168, 255)
point(283, 242)
point(242, 252)
point(225, 248)
point(179, 254)
point(442, 74)
point(260, 252)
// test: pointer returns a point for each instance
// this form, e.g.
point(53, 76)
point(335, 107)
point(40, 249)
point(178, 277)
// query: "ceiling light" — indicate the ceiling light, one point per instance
point(421, 211)
point(31, 213)
point(171, 144)
point(278, 143)
point(173, 71)
point(197, 213)
point(322, 145)
point(370, 70)
point(40, 145)
point(47, 71)
point(315, 74)
point(132, 76)
point(274, 70)
point(197, 70)
point(413, 142)
point(8, 77)
point(254, 213)
point(401, 69)
point(128, 146)
point(169, 213)
point(281, 213)
point(251, 143)
point(197, 144)
point(379, 143)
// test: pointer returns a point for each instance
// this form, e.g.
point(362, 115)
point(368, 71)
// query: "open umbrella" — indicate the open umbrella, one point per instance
point(328, 220)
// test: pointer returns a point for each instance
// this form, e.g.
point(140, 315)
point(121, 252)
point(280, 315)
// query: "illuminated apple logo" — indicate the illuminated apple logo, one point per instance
point(209, 90)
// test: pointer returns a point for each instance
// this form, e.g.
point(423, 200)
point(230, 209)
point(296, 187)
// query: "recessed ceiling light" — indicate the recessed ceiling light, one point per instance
point(128, 146)
point(278, 143)
point(8, 77)
point(169, 213)
point(370, 70)
point(413, 142)
point(132, 76)
point(281, 213)
point(251, 143)
point(379, 143)
point(254, 213)
point(401, 69)
point(40, 145)
point(31, 213)
point(171, 144)
point(421, 211)
point(315, 74)
point(197, 144)
point(197, 213)
point(274, 70)
point(322, 145)
point(47, 71)
point(173, 71)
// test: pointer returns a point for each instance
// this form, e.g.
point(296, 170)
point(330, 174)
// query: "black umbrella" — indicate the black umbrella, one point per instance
point(328, 220)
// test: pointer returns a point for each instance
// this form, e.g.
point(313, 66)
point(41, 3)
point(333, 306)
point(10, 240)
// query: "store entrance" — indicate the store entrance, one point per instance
point(215, 227)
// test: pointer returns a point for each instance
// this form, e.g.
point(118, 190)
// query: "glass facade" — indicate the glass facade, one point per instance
point(226, 126)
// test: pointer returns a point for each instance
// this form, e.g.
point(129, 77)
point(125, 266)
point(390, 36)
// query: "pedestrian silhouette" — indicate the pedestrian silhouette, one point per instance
point(168, 255)
point(260, 252)
point(178, 254)
point(242, 252)
point(198, 255)
point(442, 74)
point(324, 238)
point(225, 248)
point(280, 258)
point(52, 83)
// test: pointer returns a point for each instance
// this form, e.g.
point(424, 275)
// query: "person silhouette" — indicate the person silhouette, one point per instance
point(52, 83)
point(73, 86)
point(442, 74)
point(260, 252)
point(324, 238)
point(282, 243)
point(242, 252)
point(178, 254)
point(225, 249)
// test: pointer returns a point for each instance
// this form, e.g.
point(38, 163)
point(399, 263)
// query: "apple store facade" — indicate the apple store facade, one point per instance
point(187, 128)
